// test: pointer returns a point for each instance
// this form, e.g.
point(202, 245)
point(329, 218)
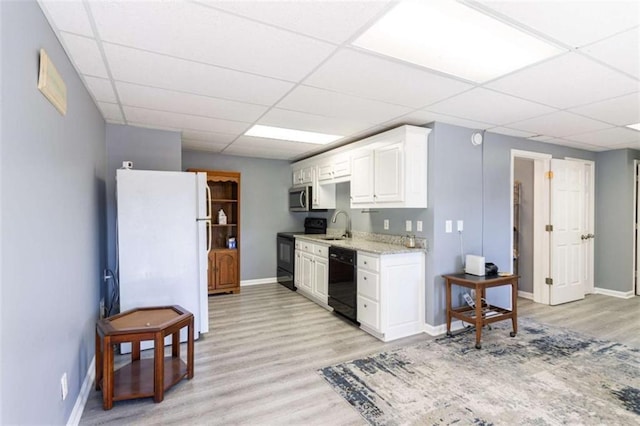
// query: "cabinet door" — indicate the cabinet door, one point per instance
point(306, 272)
point(321, 279)
point(325, 172)
point(297, 269)
point(362, 177)
point(226, 269)
point(389, 174)
point(211, 271)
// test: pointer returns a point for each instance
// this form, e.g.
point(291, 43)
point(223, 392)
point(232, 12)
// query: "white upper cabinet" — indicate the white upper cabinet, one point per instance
point(387, 170)
point(390, 170)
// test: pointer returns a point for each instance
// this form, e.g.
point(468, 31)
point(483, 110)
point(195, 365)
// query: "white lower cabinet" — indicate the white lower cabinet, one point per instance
point(312, 270)
point(390, 295)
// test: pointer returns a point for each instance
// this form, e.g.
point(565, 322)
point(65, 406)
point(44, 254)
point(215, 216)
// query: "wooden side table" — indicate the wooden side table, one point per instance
point(482, 314)
point(142, 377)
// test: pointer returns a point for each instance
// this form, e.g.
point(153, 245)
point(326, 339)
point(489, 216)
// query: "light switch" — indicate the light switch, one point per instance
point(408, 226)
point(386, 224)
point(448, 226)
point(460, 226)
point(418, 225)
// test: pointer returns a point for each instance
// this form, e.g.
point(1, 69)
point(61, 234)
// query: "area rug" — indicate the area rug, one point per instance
point(544, 376)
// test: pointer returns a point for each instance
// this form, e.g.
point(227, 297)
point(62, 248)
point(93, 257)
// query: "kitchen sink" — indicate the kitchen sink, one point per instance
point(333, 238)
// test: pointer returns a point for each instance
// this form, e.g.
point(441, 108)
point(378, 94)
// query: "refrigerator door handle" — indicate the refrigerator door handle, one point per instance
point(209, 234)
point(209, 213)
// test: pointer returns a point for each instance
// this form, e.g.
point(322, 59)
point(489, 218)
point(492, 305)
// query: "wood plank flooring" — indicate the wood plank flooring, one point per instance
point(258, 363)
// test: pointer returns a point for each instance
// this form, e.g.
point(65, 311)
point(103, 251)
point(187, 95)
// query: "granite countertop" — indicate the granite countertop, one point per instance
point(360, 244)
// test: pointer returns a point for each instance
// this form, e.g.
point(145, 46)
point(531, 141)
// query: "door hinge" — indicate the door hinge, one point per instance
point(548, 228)
point(548, 281)
point(549, 175)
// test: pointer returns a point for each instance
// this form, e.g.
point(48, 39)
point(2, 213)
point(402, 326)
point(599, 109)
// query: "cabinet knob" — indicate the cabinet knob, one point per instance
point(365, 305)
point(365, 278)
point(365, 262)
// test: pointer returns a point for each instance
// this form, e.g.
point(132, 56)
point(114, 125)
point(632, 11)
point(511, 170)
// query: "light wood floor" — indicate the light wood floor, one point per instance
point(258, 363)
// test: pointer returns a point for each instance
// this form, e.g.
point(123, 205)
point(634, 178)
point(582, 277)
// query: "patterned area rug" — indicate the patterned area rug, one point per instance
point(543, 376)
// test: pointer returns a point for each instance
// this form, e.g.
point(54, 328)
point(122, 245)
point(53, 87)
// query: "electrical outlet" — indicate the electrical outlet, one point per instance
point(460, 226)
point(418, 225)
point(64, 386)
point(408, 226)
point(448, 226)
point(386, 224)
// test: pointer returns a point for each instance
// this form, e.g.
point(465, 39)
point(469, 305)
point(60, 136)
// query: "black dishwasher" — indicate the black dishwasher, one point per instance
point(342, 282)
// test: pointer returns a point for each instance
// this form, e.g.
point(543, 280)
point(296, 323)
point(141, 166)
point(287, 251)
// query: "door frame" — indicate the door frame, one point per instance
point(636, 224)
point(541, 209)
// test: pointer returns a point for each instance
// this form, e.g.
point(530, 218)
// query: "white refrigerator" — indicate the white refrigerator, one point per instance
point(162, 224)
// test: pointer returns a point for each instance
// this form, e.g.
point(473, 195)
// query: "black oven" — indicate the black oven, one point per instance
point(286, 249)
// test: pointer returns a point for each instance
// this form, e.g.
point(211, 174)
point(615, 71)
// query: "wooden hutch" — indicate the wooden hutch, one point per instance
point(224, 256)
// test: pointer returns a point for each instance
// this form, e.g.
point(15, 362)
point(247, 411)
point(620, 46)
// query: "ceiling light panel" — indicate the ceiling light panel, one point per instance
point(284, 134)
point(635, 126)
point(455, 39)
point(314, 123)
point(199, 33)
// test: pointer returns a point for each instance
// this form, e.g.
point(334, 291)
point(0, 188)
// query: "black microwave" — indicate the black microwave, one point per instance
point(300, 199)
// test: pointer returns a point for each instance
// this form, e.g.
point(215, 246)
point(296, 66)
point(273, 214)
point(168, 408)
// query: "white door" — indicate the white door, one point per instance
point(567, 253)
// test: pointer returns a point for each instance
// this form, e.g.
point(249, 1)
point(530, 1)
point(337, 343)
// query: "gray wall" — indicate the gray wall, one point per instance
point(53, 225)
point(148, 149)
point(523, 172)
point(264, 207)
point(614, 219)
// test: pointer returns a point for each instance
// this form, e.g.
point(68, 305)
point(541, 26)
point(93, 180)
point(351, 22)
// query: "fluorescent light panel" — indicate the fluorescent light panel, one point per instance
point(634, 126)
point(290, 134)
point(455, 39)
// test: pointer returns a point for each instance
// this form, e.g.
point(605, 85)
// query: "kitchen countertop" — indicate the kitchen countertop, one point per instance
point(359, 244)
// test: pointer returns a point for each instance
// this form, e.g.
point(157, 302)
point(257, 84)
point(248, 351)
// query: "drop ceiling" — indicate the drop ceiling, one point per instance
point(213, 69)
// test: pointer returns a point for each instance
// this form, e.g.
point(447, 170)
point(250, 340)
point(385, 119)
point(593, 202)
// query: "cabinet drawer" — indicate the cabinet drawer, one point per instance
point(321, 251)
point(305, 246)
point(368, 262)
point(368, 284)
point(368, 313)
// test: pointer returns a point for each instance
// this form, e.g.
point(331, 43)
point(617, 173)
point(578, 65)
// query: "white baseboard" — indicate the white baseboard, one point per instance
point(525, 294)
point(614, 293)
point(259, 281)
point(81, 401)
point(437, 330)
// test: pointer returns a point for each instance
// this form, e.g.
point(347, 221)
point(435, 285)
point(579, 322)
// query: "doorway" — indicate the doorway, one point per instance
point(637, 222)
point(555, 263)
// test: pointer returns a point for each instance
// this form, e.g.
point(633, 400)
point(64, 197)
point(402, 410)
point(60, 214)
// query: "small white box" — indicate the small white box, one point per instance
point(474, 265)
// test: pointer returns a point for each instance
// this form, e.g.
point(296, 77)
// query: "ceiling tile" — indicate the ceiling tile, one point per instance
point(566, 81)
point(329, 20)
point(621, 51)
point(210, 137)
point(608, 137)
point(101, 89)
point(85, 54)
point(372, 77)
point(488, 106)
point(67, 16)
point(575, 23)
point(332, 104)
point(111, 112)
point(559, 124)
point(199, 145)
point(511, 132)
point(422, 117)
point(135, 66)
point(172, 101)
point(571, 144)
point(312, 123)
point(182, 121)
point(199, 33)
point(619, 111)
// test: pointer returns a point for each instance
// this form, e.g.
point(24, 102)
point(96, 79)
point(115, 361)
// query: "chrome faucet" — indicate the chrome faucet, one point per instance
point(347, 232)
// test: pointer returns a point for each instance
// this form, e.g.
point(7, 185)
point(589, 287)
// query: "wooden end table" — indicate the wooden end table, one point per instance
point(482, 314)
point(142, 377)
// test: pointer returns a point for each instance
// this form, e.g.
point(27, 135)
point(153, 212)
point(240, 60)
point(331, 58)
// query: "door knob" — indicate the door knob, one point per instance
point(583, 237)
